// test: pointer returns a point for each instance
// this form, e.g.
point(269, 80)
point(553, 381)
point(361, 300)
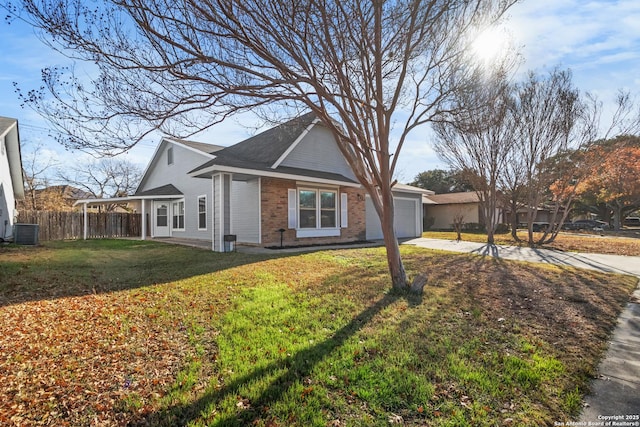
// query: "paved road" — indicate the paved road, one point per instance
point(616, 392)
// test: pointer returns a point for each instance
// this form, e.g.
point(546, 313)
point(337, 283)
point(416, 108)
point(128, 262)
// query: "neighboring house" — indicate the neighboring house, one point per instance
point(292, 177)
point(11, 180)
point(60, 198)
point(544, 214)
point(441, 208)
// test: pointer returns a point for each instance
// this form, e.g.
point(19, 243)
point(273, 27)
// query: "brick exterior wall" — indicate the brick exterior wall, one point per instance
point(274, 206)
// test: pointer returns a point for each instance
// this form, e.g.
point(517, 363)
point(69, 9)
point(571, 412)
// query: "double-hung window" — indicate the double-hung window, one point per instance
point(317, 208)
point(308, 208)
point(202, 213)
point(328, 205)
point(316, 212)
point(178, 215)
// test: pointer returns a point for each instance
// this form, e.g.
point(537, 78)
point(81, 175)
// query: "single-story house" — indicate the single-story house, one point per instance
point(440, 209)
point(11, 179)
point(290, 182)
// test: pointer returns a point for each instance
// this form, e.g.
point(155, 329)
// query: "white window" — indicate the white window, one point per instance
point(328, 209)
point(316, 212)
point(307, 208)
point(162, 215)
point(178, 215)
point(202, 213)
point(170, 155)
point(317, 209)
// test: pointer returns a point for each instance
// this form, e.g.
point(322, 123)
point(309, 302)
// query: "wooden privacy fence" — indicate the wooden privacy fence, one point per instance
point(70, 225)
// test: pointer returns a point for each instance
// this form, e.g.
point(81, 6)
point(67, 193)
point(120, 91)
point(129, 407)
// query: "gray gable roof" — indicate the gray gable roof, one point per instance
point(165, 190)
point(260, 152)
point(263, 149)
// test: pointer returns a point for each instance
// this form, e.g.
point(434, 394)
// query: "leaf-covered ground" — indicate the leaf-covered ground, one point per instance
point(130, 333)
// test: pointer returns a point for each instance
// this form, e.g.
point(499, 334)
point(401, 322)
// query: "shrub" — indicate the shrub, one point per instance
point(473, 226)
point(428, 222)
point(502, 228)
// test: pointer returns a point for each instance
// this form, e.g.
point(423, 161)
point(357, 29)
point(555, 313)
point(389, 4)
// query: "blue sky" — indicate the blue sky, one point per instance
point(598, 40)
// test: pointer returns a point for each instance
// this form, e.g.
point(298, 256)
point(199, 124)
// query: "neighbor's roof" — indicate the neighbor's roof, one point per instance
point(411, 189)
point(452, 198)
point(262, 151)
point(67, 191)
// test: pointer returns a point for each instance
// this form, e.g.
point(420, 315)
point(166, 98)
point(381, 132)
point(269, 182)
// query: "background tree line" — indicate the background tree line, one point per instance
point(601, 177)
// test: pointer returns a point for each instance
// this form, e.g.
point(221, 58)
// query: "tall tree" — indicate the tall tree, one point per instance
point(104, 178)
point(615, 180)
point(477, 140)
point(362, 66)
point(37, 169)
point(545, 112)
point(442, 181)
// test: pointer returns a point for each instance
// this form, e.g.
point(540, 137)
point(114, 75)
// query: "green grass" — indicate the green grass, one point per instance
point(201, 338)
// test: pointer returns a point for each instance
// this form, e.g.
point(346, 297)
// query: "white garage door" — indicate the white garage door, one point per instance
point(406, 219)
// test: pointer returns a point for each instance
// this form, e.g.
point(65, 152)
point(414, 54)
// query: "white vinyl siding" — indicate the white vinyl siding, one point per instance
point(319, 151)
point(245, 199)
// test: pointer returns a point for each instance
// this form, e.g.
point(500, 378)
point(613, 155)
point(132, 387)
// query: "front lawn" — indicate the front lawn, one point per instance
point(141, 333)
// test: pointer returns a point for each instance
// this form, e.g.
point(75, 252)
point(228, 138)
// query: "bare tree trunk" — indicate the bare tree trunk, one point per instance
point(386, 212)
point(514, 220)
point(617, 215)
point(396, 266)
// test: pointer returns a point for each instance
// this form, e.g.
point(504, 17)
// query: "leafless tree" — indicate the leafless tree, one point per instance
point(546, 111)
point(104, 178)
point(478, 139)
point(364, 67)
point(37, 171)
point(458, 223)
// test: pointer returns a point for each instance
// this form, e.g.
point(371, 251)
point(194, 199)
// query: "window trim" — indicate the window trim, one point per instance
point(318, 230)
point(204, 196)
point(175, 215)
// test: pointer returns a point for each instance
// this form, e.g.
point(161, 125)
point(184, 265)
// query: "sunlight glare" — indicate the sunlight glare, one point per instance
point(489, 44)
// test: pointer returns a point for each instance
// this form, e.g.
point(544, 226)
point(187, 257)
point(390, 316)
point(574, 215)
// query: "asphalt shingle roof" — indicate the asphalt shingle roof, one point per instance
point(451, 198)
point(261, 151)
point(264, 149)
point(165, 190)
